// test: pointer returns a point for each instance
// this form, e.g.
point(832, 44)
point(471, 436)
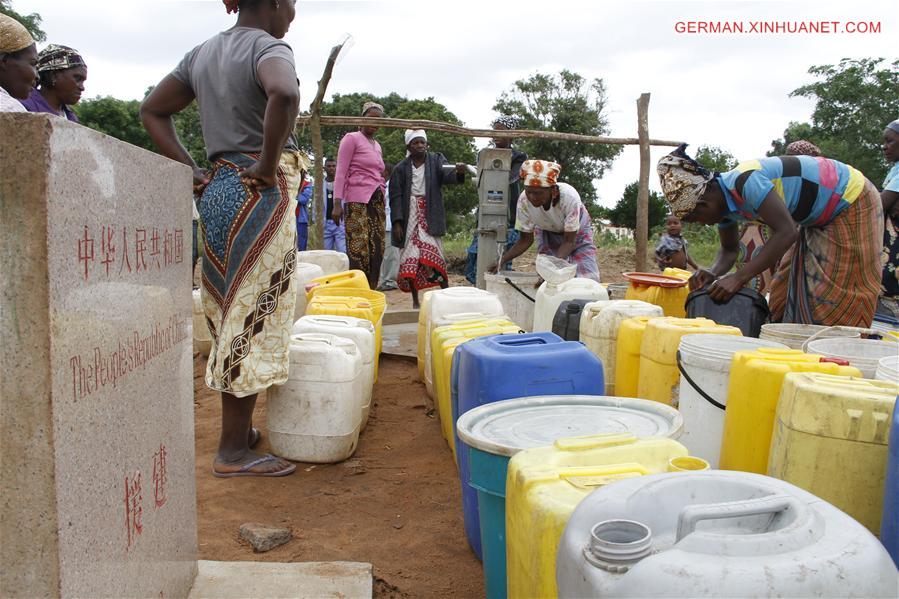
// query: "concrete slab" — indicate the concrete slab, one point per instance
point(400, 340)
point(304, 580)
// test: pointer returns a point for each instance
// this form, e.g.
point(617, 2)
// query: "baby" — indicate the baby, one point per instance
point(672, 249)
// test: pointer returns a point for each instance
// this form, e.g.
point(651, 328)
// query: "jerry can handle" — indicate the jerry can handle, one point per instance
point(689, 379)
point(311, 338)
point(610, 470)
point(691, 515)
point(594, 441)
point(860, 330)
point(521, 341)
point(518, 289)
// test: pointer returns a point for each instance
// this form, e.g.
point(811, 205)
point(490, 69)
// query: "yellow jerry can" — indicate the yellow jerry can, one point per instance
point(830, 438)
point(377, 300)
point(670, 299)
point(423, 331)
point(659, 377)
point(756, 378)
point(347, 278)
point(545, 484)
point(627, 355)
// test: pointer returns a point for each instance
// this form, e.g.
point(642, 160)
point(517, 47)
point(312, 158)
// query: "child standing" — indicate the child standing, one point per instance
point(672, 249)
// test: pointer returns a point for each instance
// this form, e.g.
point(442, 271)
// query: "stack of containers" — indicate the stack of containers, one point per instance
point(599, 331)
point(830, 438)
point(669, 292)
point(303, 274)
point(627, 355)
point(704, 362)
point(444, 341)
point(715, 533)
point(202, 336)
point(494, 433)
point(354, 279)
point(545, 484)
point(376, 300)
point(756, 378)
point(549, 297)
point(422, 339)
point(659, 376)
point(316, 415)
point(502, 367)
point(329, 261)
point(359, 331)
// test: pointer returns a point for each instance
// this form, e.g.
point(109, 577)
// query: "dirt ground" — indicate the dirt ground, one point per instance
point(395, 504)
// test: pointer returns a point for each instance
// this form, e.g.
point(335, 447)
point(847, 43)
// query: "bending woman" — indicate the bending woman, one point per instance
point(826, 223)
point(246, 88)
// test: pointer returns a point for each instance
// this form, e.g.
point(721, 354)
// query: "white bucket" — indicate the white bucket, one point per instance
point(888, 369)
point(864, 354)
point(517, 292)
point(707, 359)
point(330, 261)
point(794, 335)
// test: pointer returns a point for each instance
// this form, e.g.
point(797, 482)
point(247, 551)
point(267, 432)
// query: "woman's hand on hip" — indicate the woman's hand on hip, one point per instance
point(201, 180)
point(701, 278)
point(259, 177)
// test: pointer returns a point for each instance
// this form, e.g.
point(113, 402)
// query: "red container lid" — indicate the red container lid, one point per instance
point(653, 279)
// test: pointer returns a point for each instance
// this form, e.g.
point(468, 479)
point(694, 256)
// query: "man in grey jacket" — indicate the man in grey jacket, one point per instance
point(418, 214)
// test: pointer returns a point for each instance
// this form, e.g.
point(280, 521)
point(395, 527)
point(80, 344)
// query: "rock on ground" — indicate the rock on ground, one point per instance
point(264, 537)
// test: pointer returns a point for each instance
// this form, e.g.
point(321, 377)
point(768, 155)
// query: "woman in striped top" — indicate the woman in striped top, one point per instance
point(827, 229)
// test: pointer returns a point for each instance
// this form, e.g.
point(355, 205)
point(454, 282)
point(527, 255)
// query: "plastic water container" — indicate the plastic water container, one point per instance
point(317, 414)
point(444, 341)
point(617, 291)
point(889, 523)
point(492, 369)
point(545, 484)
point(567, 319)
point(864, 354)
point(659, 376)
point(303, 274)
point(549, 297)
point(599, 332)
point(517, 292)
point(830, 438)
point(888, 369)
point(376, 299)
point(794, 336)
point(704, 363)
point(756, 378)
point(670, 299)
point(358, 330)
point(627, 355)
point(746, 310)
point(455, 300)
point(348, 278)
point(495, 432)
point(328, 260)
point(714, 534)
point(423, 331)
point(202, 336)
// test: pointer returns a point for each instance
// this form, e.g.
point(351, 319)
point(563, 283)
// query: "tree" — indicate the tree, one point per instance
point(565, 103)
point(31, 22)
point(460, 200)
point(624, 214)
point(715, 159)
point(854, 101)
point(795, 131)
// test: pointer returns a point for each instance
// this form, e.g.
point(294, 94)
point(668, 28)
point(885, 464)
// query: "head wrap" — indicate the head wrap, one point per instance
point(540, 173)
point(894, 126)
point(413, 133)
point(506, 120)
point(802, 148)
point(369, 105)
point(231, 5)
point(58, 58)
point(683, 181)
point(13, 35)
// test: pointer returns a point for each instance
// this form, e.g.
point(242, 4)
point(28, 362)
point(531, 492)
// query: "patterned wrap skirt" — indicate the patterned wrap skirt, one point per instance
point(365, 232)
point(752, 239)
point(584, 254)
point(831, 276)
point(247, 287)
point(422, 264)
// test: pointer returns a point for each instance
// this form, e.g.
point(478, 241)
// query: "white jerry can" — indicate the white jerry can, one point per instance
point(329, 260)
point(301, 275)
point(549, 296)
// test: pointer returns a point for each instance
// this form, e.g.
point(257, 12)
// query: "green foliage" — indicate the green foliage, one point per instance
point(715, 159)
point(624, 214)
point(565, 103)
point(460, 200)
point(854, 101)
point(794, 132)
point(31, 22)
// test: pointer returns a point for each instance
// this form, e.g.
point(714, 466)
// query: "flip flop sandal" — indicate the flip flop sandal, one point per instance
point(245, 470)
point(255, 436)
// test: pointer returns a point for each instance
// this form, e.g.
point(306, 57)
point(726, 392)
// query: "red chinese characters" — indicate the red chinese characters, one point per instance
point(136, 250)
point(159, 476)
point(133, 508)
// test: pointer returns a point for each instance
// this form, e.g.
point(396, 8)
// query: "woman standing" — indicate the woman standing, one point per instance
point(18, 59)
point(359, 196)
point(245, 84)
point(829, 270)
point(888, 304)
point(62, 75)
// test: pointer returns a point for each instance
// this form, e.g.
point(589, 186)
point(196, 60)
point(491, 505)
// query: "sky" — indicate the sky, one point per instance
point(729, 90)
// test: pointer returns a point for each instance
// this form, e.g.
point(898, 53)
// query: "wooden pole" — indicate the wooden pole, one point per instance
point(642, 232)
point(389, 123)
point(317, 232)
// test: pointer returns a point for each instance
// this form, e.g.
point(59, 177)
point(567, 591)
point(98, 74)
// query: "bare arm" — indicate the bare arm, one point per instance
point(567, 245)
point(890, 200)
point(520, 247)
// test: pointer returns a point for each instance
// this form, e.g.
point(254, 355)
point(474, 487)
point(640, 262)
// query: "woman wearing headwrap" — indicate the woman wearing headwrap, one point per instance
point(829, 269)
point(889, 197)
point(359, 196)
point(419, 215)
point(245, 85)
point(62, 75)
point(553, 213)
point(18, 62)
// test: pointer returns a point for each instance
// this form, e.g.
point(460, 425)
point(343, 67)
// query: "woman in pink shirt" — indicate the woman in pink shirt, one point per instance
point(359, 196)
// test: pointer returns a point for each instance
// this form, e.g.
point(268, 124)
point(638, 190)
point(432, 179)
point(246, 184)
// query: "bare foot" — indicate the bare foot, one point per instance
point(251, 463)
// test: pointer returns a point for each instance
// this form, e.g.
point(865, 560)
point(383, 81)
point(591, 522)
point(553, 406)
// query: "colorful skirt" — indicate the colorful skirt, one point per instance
point(422, 264)
point(249, 241)
point(365, 231)
point(752, 240)
point(584, 254)
point(832, 275)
